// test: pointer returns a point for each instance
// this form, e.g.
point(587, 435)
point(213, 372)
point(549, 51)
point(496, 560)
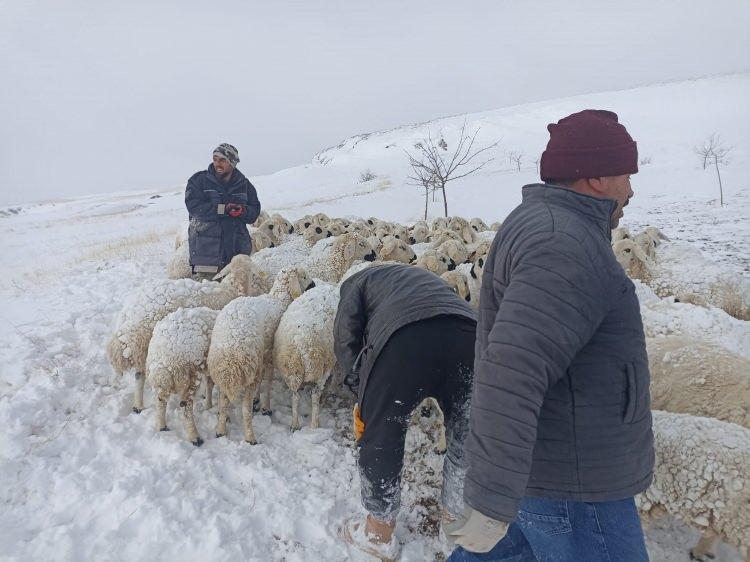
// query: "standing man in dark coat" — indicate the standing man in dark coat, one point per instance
point(221, 201)
point(402, 335)
point(560, 435)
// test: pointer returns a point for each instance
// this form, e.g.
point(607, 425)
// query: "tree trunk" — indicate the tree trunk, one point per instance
point(426, 200)
point(721, 191)
point(445, 200)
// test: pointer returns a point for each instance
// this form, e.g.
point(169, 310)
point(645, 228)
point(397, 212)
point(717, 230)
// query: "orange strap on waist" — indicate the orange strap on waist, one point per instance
point(359, 425)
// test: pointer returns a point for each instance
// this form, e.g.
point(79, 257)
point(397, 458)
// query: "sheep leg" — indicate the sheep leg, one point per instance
point(209, 387)
point(222, 417)
point(315, 415)
point(295, 410)
point(162, 398)
point(186, 403)
point(138, 393)
point(265, 403)
point(704, 549)
point(247, 414)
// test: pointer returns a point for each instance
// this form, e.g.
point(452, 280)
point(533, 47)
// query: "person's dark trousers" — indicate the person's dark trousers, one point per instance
point(430, 358)
point(568, 531)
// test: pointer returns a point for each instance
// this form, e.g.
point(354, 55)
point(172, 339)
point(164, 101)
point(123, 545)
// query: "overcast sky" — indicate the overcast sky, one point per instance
point(106, 95)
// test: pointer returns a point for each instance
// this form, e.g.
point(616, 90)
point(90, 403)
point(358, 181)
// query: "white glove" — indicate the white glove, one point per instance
point(474, 531)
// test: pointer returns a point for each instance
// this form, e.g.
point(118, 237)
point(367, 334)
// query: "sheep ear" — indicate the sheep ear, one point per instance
point(224, 272)
point(349, 250)
point(295, 290)
point(640, 254)
point(388, 248)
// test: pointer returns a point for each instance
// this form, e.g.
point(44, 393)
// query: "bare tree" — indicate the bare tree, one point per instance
point(713, 149)
point(425, 180)
point(434, 165)
point(536, 163)
point(516, 157)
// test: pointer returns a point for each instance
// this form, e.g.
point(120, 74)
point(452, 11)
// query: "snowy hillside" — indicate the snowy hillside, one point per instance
point(85, 479)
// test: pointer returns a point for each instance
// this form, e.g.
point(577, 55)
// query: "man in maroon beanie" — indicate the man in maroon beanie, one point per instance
point(560, 425)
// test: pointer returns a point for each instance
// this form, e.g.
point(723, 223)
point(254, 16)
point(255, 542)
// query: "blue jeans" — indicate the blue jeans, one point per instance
point(568, 531)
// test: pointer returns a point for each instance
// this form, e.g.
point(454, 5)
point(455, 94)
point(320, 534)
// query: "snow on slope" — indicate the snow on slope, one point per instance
point(86, 479)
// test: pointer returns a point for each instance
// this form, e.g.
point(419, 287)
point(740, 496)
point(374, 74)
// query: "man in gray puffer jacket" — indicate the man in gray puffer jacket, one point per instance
point(560, 434)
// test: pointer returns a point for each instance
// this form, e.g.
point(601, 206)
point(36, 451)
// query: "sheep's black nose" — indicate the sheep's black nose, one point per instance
point(413, 259)
point(467, 298)
point(371, 256)
point(291, 229)
point(412, 240)
point(451, 266)
point(310, 286)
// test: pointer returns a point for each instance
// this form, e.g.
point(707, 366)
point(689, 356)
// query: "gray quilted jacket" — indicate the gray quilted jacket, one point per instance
point(561, 404)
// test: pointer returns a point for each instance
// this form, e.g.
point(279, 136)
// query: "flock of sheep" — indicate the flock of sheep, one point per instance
point(272, 313)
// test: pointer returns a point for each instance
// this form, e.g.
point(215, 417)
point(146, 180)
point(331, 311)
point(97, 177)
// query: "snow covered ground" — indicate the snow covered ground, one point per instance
point(85, 479)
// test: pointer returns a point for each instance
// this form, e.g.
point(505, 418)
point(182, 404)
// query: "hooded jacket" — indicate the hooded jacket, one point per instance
point(216, 238)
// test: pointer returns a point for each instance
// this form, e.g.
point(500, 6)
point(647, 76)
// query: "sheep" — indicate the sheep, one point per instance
point(393, 249)
point(656, 234)
point(178, 266)
point(682, 268)
point(260, 240)
point(440, 223)
point(455, 250)
point(439, 236)
point(692, 377)
point(303, 346)
point(435, 261)
point(286, 226)
point(400, 232)
point(478, 225)
point(495, 226)
point(263, 216)
point(322, 219)
point(360, 227)
point(314, 232)
point(418, 233)
point(275, 230)
point(240, 356)
point(291, 253)
point(620, 233)
point(709, 324)
point(479, 249)
point(457, 281)
point(336, 227)
point(300, 225)
point(176, 357)
point(701, 476)
point(461, 227)
point(127, 349)
point(646, 243)
point(331, 257)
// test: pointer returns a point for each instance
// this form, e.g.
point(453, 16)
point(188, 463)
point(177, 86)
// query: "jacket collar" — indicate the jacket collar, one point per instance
point(598, 211)
point(237, 177)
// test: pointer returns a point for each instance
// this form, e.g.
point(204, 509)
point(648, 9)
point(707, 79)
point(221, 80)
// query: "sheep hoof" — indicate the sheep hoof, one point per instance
point(198, 442)
point(183, 403)
point(219, 435)
point(701, 557)
point(165, 428)
point(266, 412)
point(256, 405)
point(294, 428)
point(137, 410)
point(251, 442)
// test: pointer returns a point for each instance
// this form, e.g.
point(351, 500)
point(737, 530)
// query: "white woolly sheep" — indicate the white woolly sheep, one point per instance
point(439, 223)
point(692, 377)
point(478, 225)
point(300, 225)
point(418, 233)
point(495, 226)
point(461, 227)
point(322, 219)
point(260, 240)
point(240, 356)
point(286, 226)
point(457, 281)
point(479, 249)
point(683, 269)
point(176, 359)
point(127, 349)
point(400, 233)
point(274, 230)
point(646, 243)
point(263, 216)
point(330, 258)
point(656, 234)
point(435, 261)
point(303, 346)
point(702, 477)
point(360, 227)
point(620, 233)
point(455, 250)
point(178, 266)
point(315, 232)
point(393, 249)
point(439, 236)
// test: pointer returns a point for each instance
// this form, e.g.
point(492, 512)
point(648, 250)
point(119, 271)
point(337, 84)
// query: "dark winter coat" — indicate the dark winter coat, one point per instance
point(379, 300)
point(216, 238)
point(561, 404)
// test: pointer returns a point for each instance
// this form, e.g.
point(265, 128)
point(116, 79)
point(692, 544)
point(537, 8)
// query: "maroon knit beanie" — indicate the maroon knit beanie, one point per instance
point(588, 144)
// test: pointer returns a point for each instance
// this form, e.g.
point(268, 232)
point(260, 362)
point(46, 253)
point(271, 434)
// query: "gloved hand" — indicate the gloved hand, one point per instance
point(474, 531)
point(235, 210)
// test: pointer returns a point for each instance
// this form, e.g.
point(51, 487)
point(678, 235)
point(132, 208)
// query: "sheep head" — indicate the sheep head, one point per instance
point(457, 282)
point(463, 229)
point(435, 261)
point(291, 282)
point(242, 274)
point(396, 250)
point(420, 232)
point(632, 259)
point(478, 225)
point(455, 250)
point(315, 232)
point(354, 247)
